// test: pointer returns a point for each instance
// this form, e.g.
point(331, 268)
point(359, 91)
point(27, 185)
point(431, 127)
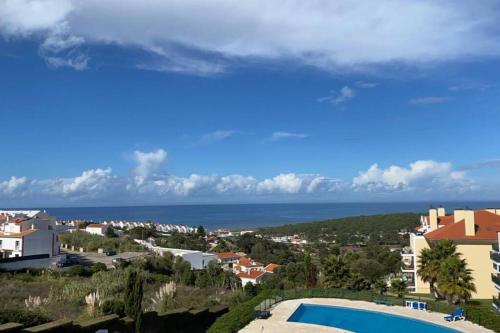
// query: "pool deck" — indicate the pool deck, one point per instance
point(281, 312)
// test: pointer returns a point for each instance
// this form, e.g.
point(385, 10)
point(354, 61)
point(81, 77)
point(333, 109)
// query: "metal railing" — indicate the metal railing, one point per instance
point(496, 279)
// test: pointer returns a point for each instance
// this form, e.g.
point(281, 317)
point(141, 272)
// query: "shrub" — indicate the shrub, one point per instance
point(239, 316)
point(79, 270)
point(98, 267)
point(22, 316)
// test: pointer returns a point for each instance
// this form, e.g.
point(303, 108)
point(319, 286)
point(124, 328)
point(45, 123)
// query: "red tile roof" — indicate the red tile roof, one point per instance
point(95, 225)
point(487, 226)
point(251, 275)
point(248, 262)
point(271, 267)
point(227, 255)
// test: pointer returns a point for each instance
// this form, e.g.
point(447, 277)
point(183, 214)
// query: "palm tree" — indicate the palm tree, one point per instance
point(335, 272)
point(455, 280)
point(398, 287)
point(430, 259)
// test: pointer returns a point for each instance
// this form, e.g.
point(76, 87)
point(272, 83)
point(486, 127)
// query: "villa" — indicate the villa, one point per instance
point(227, 259)
point(27, 233)
point(249, 270)
point(473, 232)
point(97, 229)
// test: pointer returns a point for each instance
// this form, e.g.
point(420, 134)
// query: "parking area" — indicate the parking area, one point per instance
point(89, 258)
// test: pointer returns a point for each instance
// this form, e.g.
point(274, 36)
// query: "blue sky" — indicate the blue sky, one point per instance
point(169, 102)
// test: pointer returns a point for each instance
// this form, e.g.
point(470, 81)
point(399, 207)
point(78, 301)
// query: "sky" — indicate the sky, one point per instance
point(121, 102)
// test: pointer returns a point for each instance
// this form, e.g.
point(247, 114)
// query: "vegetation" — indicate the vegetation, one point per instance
point(133, 297)
point(187, 241)
point(352, 230)
point(90, 243)
point(447, 274)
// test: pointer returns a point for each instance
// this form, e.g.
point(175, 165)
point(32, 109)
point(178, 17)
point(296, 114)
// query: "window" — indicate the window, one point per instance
point(17, 246)
point(0, 243)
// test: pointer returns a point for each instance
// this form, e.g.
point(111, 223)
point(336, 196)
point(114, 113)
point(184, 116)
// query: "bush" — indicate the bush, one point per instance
point(79, 270)
point(239, 316)
point(22, 316)
point(98, 267)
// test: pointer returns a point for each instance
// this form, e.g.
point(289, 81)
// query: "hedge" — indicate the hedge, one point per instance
point(239, 316)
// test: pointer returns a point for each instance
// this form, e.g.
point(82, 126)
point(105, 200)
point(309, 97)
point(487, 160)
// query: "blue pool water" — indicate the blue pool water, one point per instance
point(362, 321)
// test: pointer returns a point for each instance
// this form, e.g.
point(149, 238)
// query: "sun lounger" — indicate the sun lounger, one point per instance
point(457, 315)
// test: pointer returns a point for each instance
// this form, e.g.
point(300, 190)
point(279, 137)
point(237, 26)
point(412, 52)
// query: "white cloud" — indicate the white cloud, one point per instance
point(429, 100)
point(423, 175)
point(147, 164)
point(326, 34)
point(148, 184)
point(285, 183)
point(278, 136)
point(342, 96)
point(216, 136)
point(90, 181)
point(366, 85)
point(13, 185)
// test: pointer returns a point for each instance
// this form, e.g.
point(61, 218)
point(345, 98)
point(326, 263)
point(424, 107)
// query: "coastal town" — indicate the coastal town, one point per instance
point(34, 240)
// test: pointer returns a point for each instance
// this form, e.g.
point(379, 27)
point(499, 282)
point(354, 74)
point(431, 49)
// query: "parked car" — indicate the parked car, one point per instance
point(118, 262)
point(110, 253)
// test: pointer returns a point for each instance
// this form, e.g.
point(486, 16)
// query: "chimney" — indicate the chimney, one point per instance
point(441, 211)
point(433, 219)
point(458, 215)
point(470, 228)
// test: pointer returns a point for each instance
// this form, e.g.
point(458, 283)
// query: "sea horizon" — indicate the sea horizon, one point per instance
point(250, 215)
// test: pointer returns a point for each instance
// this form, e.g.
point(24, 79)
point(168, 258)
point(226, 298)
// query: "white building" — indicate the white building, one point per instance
point(197, 259)
point(96, 229)
point(26, 233)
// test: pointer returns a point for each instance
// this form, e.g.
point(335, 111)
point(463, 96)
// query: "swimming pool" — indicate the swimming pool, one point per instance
point(362, 321)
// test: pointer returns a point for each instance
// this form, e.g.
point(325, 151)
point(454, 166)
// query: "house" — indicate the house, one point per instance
point(27, 233)
point(197, 259)
point(473, 232)
point(253, 277)
point(97, 229)
point(246, 265)
point(249, 270)
point(227, 259)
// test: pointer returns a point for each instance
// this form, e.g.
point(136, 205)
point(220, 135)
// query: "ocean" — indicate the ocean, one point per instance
point(241, 216)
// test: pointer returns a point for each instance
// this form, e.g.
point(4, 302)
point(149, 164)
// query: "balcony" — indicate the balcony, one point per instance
point(496, 303)
point(496, 279)
point(495, 247)
point(406, 251)
point(495, 256)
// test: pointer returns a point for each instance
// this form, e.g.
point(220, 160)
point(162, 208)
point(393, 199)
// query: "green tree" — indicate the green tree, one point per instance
point(455, 281)
point(381, 286)
point(335, 271)
point(310, 272)
point(133, 297)
point(200, 231)
point(250, 289)
point(398, 287)
point(430, 259)
point(110, 232)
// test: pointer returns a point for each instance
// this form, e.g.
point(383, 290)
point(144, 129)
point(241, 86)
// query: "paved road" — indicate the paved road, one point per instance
point(89, 258)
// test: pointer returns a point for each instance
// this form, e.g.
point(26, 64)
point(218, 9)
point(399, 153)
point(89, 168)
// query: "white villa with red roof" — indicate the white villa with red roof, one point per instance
point(26, 233)
point(252, 271)
point(97, 229)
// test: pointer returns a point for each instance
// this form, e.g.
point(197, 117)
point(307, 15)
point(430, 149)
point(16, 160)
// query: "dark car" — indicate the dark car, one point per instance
point(110, 253)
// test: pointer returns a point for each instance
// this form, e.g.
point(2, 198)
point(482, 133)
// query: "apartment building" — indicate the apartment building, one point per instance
point(26, 233)
point(473, 232)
